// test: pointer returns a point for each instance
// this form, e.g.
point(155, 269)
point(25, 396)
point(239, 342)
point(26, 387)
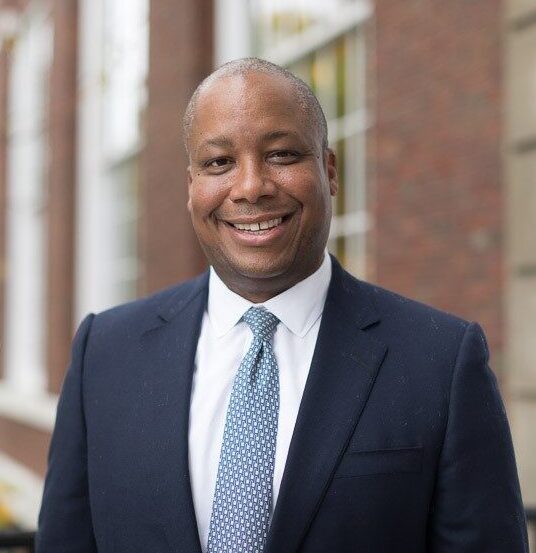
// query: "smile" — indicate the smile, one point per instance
point(256, 227)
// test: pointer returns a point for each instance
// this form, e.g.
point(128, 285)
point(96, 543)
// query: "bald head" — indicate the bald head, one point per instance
point(243, 67)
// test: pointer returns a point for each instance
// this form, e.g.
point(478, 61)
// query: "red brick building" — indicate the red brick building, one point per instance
point(430, 107)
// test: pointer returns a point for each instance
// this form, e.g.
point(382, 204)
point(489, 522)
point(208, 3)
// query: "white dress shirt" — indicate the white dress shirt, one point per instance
point(223, 342)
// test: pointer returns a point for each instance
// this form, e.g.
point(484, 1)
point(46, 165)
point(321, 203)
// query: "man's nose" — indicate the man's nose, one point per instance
point(252, 183)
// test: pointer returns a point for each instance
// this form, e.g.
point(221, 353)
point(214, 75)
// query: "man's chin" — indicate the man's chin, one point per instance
point(259, 266)
point(260, 271)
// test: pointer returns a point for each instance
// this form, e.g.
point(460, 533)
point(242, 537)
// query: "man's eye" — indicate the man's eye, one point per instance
point(218, 162)
point(218, 165)
point(284, 156)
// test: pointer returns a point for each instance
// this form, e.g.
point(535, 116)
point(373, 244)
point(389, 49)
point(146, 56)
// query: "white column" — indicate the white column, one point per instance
point(91, 266)
point(26, 204)
point(232, 29)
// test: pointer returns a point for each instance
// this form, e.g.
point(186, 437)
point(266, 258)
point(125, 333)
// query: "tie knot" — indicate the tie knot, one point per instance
point(261, 322)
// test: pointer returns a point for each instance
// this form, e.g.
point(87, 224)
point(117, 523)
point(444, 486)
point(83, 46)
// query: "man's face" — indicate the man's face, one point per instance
point(260, 184)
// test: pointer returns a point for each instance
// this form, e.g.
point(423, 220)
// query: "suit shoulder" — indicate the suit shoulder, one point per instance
point(164, 302)
point(418, 335)
point(399, 315)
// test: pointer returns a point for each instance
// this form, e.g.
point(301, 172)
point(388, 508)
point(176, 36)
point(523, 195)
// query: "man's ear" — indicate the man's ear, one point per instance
point(331, 168)
point(189, 180)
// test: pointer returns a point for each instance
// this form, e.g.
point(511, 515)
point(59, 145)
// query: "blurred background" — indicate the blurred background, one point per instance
point(432, 112)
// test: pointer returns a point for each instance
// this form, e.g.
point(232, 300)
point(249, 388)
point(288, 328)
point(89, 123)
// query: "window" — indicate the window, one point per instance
point(126, 34)
point(26, 200)
point(113, 99)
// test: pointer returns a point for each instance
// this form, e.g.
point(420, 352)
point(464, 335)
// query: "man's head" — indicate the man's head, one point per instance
point(257, 142)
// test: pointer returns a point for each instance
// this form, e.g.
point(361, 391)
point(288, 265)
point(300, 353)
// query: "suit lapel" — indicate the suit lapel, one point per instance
point(342, 373)
point(169, 347)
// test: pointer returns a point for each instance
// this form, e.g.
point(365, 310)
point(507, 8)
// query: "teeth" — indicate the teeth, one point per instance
point(259, 226)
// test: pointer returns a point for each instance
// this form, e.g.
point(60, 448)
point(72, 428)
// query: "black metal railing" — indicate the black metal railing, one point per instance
point(531, 519)
point(17, 541)
point(25, 540)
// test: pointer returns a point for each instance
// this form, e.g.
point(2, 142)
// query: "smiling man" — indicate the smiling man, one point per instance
point(276, 404)
point(260, 180)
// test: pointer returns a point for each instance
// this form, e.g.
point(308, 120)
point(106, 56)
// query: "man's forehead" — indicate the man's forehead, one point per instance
point(240, 87)
point(233, 97)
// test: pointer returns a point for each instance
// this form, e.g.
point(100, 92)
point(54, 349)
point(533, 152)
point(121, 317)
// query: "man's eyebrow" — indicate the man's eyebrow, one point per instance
point(219, 141)
point(225, 142)
point(274, 135)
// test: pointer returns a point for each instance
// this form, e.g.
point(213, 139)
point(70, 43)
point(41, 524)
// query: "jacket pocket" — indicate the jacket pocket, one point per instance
point(380, 461)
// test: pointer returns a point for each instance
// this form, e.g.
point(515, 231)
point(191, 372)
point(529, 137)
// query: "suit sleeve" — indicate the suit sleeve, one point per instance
point(477, 505)
point(65, 518)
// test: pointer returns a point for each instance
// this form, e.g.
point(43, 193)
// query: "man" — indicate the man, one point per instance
point(276, 403)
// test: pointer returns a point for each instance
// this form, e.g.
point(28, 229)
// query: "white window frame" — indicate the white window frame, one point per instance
point(97, 270)
point(344, 20)
point(25, 367)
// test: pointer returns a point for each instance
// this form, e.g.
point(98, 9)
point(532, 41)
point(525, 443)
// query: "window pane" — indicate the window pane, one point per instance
point(123, 245)
point(351, 169)
point(125, 69)
point(354, 71)
point(324, 79)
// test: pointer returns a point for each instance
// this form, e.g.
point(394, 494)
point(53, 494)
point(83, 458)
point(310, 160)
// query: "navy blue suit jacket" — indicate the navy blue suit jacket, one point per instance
point(401, 442)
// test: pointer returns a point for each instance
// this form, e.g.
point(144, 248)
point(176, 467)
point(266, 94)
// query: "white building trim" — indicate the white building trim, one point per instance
point(338, 23)
point(37, 409)
point(91, 270)
point(26, 203)
point(99, 266)
point(232, 30)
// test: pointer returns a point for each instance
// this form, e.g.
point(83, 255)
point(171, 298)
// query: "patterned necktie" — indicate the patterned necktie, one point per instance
point(243, 497)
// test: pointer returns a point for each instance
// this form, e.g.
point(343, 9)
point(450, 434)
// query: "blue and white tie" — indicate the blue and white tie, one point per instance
point(243, 497)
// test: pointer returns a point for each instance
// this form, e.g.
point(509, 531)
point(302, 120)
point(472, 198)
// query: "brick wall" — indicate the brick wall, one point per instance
point(61, 192)
point(437, 155)
point(180, 56)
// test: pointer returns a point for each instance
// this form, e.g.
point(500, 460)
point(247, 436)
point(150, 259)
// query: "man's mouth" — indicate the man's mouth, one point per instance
point(261, 230)
point(259, 226)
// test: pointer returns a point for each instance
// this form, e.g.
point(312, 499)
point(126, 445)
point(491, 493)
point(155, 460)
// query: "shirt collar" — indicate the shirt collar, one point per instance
point(298, 308)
